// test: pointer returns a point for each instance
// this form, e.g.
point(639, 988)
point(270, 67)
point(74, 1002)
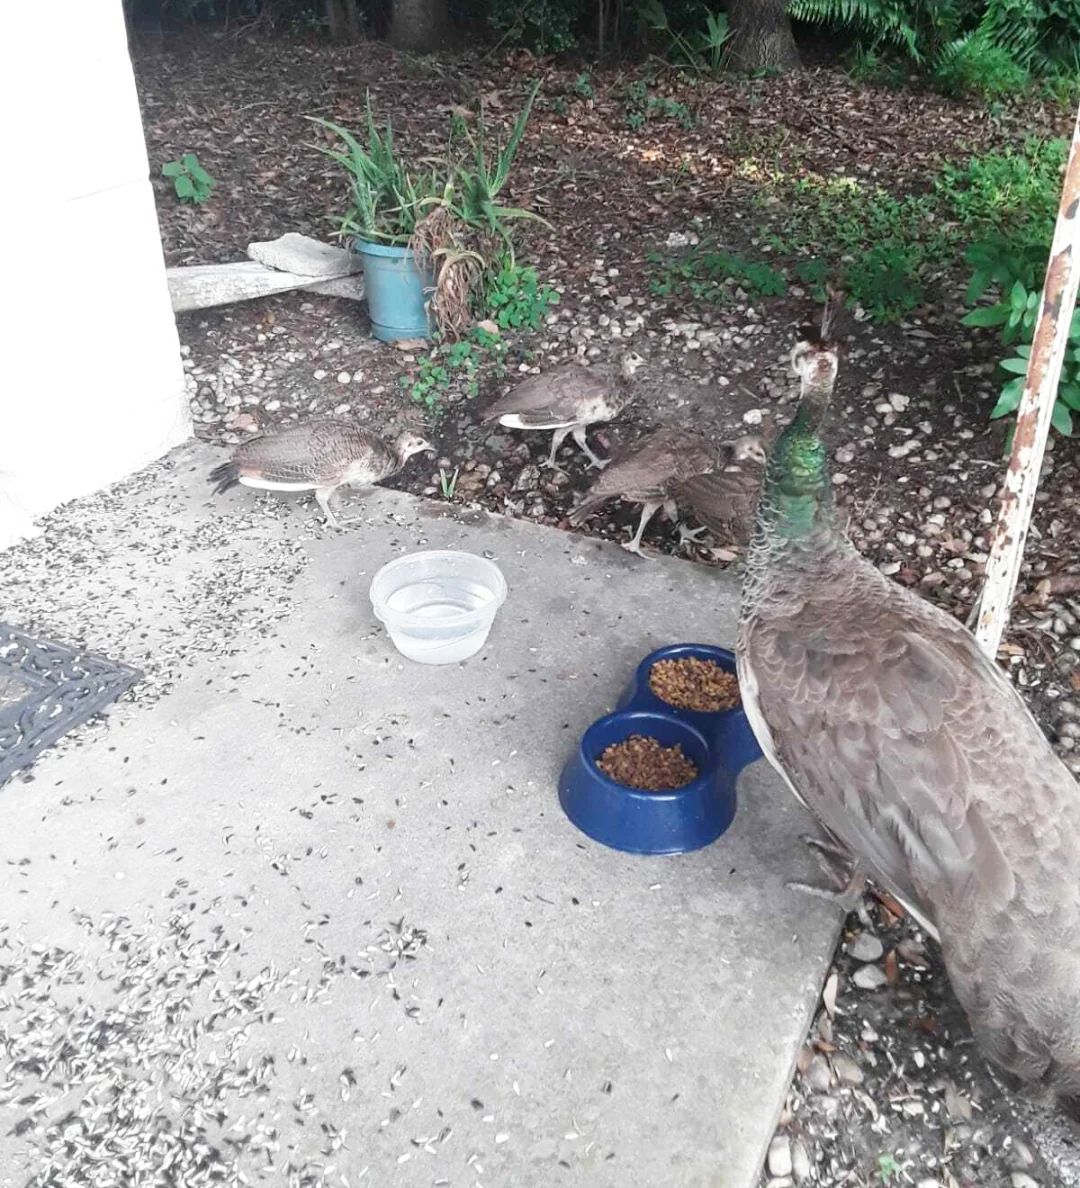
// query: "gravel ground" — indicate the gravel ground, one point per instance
point(889, 1089)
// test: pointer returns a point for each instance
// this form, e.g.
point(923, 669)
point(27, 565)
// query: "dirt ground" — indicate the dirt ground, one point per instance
point(890, 1090)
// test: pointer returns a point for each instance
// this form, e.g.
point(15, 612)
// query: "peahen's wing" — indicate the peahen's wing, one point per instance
point(896, 730)
point(724, 500)
point(319, 452)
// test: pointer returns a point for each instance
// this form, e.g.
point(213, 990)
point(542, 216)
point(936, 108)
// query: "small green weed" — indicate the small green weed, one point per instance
point(887, 1168)
point(709, 274)
point(583, 87)
point(516, 299)
point(885, 247)
point(190, 180)
point(454, 368)
point(448, 483)
point(641, 107)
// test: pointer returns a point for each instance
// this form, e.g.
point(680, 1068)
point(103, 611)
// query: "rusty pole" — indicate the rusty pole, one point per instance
point(1036, 407)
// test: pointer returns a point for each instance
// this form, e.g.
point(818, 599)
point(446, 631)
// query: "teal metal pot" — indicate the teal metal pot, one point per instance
point(396, 292)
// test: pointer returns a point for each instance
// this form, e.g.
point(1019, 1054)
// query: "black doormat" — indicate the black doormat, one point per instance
point(46, 689)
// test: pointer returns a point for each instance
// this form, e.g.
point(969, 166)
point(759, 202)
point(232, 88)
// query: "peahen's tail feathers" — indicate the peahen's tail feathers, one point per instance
point(586, 508)
point(225, 476)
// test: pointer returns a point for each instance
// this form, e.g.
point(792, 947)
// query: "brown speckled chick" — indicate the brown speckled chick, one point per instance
point(567, 399)
point(320, 456)
point(652, 474)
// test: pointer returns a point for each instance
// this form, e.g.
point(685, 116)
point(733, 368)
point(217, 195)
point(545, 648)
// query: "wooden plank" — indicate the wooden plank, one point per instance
point(204, 286)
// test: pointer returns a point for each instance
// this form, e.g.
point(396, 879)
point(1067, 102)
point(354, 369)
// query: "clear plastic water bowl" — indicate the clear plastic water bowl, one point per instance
point(438, 606)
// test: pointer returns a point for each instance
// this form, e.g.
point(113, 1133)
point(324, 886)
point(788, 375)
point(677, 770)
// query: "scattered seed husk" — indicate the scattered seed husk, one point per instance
point(644, 763)
point(694, 684)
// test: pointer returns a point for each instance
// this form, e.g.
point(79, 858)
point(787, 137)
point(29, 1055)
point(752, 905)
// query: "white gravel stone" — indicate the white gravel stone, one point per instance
point(866, 947)
point(779, 1160)
point(869, 977)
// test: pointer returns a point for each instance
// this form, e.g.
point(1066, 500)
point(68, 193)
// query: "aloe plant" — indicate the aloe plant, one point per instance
point(389, 197)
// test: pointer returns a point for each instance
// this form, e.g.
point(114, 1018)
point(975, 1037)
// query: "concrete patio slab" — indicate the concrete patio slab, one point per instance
point(315, 914)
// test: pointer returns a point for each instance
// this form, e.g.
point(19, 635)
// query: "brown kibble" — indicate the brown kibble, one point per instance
point(643, 763)
point(694, 684)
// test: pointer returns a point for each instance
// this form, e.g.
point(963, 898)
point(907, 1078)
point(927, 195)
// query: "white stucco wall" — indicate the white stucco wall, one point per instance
point(102, 389)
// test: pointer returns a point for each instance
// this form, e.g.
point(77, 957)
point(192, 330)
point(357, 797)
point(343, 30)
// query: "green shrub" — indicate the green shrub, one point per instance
point(190, 180)
point(974, 65)
point(1015, 193)
point(543, 26)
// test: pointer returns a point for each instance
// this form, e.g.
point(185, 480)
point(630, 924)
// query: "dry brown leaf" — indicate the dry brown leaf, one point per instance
point(892, 967)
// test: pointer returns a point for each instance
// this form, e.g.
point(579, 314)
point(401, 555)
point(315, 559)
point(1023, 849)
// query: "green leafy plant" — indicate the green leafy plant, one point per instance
point(454, 368)
point(516, 299)
point(388, 196)
point(190, 180)
point(701, 52)
point(448, 483)
point(1016, 315)
point(447, 211)
point(710, 274)
point(640, 107)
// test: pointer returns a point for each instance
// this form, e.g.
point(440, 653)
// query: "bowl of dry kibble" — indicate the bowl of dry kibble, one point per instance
point(658, 775)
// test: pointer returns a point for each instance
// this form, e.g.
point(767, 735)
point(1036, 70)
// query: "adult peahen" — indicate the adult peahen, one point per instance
point(916, 753)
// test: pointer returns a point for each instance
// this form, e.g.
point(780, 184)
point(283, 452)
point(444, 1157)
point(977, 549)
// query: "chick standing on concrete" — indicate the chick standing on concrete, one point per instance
point(320, 456)
point(567, 399)
point(651, 474)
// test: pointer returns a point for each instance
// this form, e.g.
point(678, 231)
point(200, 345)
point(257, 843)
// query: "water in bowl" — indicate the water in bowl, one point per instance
point(435, 604)
point(438, 606)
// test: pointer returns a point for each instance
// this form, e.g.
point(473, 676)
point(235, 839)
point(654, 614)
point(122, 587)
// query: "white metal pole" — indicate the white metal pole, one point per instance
point(1036, 407)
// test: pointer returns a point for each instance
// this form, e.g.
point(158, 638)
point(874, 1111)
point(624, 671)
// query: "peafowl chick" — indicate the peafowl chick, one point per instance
point(893, 726)
point(568, 399)
point(649, 474)
point(319, 455)
point(724, 499)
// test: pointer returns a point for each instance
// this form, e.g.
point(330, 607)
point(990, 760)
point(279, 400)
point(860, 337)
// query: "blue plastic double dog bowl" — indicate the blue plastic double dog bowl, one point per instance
point(719, 745)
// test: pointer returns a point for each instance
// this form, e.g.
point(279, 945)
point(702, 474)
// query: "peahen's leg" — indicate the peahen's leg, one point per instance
point(557, 438)
point(322, 497)
point(647, 512)
point(581, 438)
point(842, 871)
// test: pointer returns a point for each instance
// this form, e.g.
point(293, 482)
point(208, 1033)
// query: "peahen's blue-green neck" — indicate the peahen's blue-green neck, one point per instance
point(796, 501)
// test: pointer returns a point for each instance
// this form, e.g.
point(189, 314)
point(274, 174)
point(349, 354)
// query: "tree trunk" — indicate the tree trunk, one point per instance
point(343, 17)
point(761, 37)
point(419, 25)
